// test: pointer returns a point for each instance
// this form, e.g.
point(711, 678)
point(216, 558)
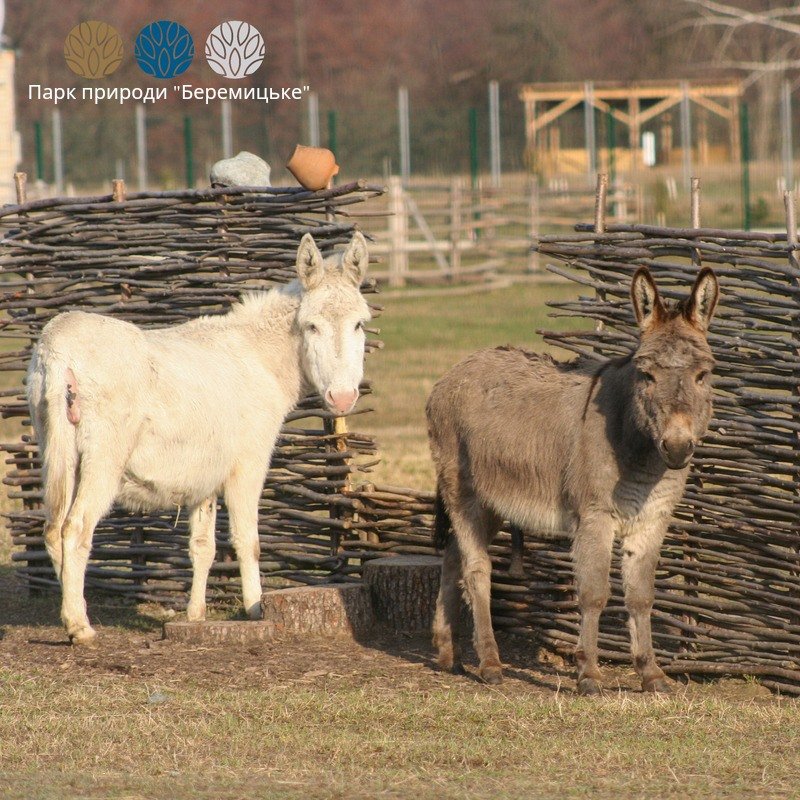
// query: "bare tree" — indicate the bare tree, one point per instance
point(760, 41)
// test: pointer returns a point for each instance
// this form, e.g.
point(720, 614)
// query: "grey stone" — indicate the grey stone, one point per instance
point(244, 169)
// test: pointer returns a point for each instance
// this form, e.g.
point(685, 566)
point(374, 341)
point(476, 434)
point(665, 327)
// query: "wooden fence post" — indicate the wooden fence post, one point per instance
point(600, 227)
point(455, 227)
point(687, 554)
point(398, 233)
point(337, 427)
point(27, 461)
point(794, 261)
point(535, 223)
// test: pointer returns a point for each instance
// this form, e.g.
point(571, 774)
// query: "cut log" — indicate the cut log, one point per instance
point(403, 590)
point(215, 632)
point(340, 610)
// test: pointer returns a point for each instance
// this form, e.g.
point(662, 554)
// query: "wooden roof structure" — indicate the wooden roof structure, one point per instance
point(633, 104)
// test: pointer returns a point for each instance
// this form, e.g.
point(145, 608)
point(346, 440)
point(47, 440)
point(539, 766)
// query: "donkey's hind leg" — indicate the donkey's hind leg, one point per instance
point(202, 546)
point(591, 555)
point(96, 491)
point(53, 540)
point(58, 497)
point(58, 504)
point(475, 527)
point(448, 610)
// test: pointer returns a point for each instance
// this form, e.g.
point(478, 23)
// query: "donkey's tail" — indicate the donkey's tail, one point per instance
point(442, 526)
point(51, 392)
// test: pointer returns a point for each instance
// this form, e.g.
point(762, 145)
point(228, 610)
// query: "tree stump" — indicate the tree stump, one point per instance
point(403, 590)
point(328, 610)
point(340, 610)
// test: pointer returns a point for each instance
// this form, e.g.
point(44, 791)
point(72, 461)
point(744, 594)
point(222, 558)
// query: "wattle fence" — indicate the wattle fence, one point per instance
point(728, 584)
point(157, 259)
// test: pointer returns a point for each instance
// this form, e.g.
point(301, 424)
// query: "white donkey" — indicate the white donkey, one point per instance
point(154, 419)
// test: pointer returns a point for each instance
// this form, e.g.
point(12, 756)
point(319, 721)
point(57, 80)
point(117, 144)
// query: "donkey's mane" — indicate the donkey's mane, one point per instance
point(267, 307)
point(271, 301)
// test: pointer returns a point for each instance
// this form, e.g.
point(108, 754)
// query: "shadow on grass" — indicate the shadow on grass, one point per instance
point(520, 656)
point(20, 606)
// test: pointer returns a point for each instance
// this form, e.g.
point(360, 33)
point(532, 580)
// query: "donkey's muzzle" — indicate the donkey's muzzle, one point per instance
point(677, 452)
point(341, 401)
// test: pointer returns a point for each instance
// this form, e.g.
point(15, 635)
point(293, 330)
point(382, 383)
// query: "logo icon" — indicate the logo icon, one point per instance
point(93, 49)
point(235, 49)
point(164, 49)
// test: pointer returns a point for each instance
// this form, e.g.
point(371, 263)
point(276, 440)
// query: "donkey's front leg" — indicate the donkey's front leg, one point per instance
point(639, 559)
point(242, 493)
point(202, 546)
point(591, 554)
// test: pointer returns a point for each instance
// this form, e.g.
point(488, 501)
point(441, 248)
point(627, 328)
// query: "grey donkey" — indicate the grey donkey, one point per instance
point(597, 451)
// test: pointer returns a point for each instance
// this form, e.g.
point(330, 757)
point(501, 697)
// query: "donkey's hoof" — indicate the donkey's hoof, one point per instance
point(589, 687)
point(450, 664)
point(491, 675)
point(83, 637)
point(255, 611)
point(657, 686)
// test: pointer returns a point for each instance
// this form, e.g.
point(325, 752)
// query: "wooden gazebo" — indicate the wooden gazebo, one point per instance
point(626, 109)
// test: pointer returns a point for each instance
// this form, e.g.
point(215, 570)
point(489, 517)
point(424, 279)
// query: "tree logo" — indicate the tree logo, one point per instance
point(93, 49)
point(235, 49)
point(164, 49)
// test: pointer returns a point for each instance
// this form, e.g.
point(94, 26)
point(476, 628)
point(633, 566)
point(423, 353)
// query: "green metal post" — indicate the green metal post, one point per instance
point(37, 135)
point(744, 128)
point(473, 147)
point(332, 133)
point(611, 141)
point(188, 154)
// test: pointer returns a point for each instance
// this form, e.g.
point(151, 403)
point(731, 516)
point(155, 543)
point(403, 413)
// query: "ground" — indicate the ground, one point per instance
point(139, 717)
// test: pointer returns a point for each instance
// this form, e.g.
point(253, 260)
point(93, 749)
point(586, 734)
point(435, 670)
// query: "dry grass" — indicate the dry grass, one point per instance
point(241, 724)
point(424, 337)
point(67, 738)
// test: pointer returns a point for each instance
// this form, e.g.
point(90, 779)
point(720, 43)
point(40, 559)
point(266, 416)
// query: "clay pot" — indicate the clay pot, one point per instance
point(312, 166)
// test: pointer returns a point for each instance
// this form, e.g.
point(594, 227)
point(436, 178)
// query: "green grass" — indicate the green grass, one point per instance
point(64, 738)
point(423, 338)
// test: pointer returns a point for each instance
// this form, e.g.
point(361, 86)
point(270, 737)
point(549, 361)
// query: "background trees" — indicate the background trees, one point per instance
point(356, 54)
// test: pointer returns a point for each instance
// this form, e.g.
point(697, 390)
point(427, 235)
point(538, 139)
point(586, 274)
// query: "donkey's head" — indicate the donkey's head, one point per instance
point(331, 320)
point(672, 392)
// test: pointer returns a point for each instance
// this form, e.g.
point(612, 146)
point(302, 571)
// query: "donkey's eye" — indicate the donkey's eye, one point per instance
point(311, 328)
point(701, 376)
point(648, 377)
point(360, 325)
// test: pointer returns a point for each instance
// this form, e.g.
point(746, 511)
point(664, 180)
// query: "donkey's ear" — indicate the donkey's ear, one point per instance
point(647, 303)
point(310, 266)
point(703, 299)
point(355, 259)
